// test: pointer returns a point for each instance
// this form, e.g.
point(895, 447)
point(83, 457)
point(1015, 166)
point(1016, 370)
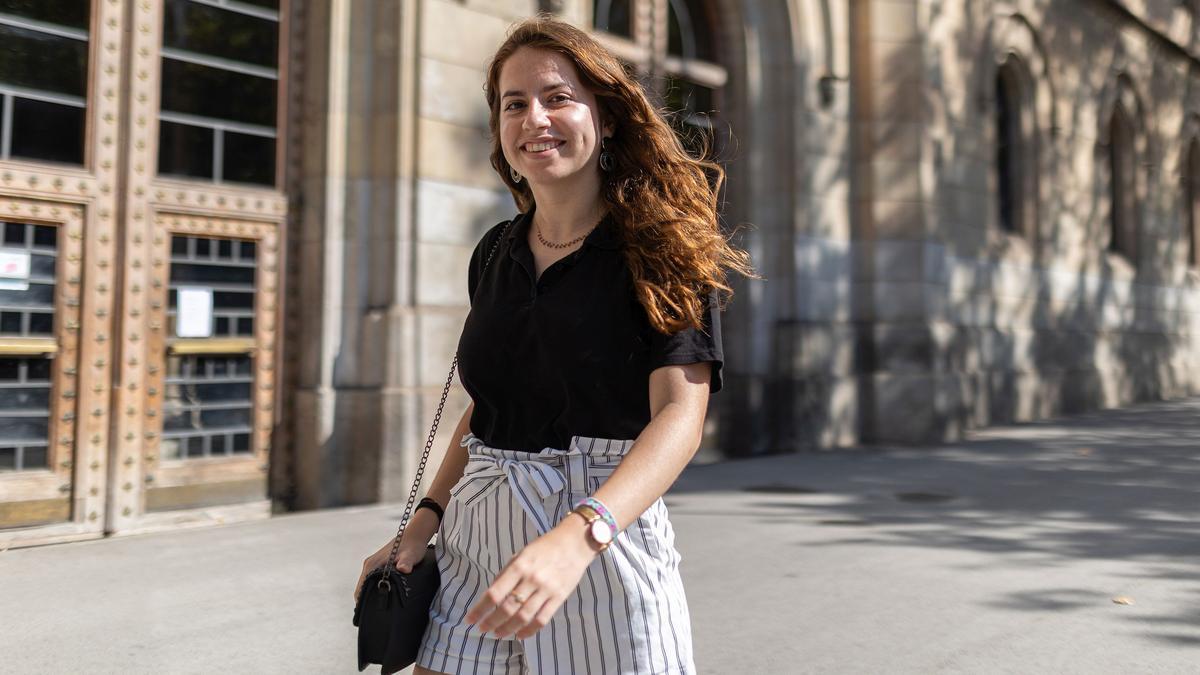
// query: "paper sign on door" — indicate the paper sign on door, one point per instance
point(194, 316)
point(14, 270)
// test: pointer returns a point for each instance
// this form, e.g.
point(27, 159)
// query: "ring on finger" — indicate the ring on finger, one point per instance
point(518, 597)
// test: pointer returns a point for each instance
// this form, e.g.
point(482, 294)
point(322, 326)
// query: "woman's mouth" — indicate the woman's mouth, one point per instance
point(540, 148)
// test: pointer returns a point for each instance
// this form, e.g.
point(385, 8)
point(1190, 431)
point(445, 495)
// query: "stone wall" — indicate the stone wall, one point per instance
point(894, 307)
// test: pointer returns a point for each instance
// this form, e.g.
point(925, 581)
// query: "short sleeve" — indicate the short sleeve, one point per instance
point(479, 258)
point(692, 345)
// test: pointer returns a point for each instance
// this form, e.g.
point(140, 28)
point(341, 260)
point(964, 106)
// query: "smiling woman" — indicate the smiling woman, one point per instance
point(590, 351)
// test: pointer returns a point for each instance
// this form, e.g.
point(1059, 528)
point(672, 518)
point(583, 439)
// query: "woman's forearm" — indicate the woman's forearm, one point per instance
point(658, 456)
point(453, 462)
point(424, 522)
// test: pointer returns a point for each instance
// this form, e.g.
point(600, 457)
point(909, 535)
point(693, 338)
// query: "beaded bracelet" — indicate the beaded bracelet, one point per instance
point(599, 507)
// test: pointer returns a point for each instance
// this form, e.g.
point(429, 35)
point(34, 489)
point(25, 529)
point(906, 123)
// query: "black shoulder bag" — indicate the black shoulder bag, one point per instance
point(392, 610)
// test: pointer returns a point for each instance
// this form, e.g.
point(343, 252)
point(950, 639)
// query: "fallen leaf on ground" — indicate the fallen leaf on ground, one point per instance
point(1083, 452)
point(1123, 600)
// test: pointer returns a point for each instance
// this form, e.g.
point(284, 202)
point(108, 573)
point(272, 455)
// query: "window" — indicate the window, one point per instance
point(1008, 147)
point(43, 79)
point(1191, 202)
point(1122, 185)
point(686, 76)
point(27, 312)
point(614, 16)
point(208, 409)
point(220, 90)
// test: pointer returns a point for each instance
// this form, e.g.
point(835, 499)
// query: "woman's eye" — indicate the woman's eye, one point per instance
point(559, 98)
point(513, 105)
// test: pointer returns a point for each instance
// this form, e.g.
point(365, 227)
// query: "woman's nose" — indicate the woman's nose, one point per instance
point(536, 116)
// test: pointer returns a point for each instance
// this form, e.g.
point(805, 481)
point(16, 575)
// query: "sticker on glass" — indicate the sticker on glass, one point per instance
point(14, 270)
point(194, 318)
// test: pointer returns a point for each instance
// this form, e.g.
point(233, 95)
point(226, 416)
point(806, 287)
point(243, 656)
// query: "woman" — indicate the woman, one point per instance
point(592, 345)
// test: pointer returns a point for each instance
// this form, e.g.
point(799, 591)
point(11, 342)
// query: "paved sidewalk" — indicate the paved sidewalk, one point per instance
point(998, 555)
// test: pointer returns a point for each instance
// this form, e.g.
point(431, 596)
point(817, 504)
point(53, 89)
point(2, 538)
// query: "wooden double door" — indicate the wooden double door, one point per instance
point(141, 236)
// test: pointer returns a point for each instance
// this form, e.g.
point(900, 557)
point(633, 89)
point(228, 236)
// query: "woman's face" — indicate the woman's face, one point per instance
point(549, 122)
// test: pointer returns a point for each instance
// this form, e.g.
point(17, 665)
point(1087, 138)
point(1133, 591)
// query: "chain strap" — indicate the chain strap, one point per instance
point(437, 418)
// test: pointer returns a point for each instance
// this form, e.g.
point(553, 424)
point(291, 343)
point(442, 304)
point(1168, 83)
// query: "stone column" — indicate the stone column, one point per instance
point(894, 298)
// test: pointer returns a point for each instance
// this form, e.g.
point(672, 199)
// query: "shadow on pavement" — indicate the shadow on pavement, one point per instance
point(1111, 485)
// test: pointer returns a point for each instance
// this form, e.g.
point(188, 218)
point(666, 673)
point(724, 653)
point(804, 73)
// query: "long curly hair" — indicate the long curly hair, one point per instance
point(663, 200)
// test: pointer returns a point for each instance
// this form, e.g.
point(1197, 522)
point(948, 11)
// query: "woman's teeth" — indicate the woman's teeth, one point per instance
point(538, 147)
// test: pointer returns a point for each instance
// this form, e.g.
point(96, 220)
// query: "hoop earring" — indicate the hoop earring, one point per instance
point(606, 158)
point(516, 177)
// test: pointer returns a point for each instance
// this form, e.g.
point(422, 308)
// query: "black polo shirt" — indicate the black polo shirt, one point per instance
point(570, 353)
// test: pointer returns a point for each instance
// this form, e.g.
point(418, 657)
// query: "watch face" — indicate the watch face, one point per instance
point(601, 532)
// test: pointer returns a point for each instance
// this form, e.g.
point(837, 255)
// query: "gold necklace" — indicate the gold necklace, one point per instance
point(538, 231)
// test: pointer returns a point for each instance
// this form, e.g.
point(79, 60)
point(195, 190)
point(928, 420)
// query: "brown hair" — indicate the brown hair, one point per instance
point(663, 200)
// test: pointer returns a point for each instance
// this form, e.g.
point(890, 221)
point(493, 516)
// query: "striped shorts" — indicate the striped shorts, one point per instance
point(628, 614)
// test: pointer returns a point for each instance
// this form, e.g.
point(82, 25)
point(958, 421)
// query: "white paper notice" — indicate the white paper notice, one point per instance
point(194, 318)
point(14, 270)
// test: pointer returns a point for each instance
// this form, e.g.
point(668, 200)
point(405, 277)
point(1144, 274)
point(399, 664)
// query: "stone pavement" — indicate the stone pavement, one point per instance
point(1002, 554)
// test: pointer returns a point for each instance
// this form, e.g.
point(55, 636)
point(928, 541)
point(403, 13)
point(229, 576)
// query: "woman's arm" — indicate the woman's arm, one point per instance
point(678, 403)
point(549, 569)
point(424, 523)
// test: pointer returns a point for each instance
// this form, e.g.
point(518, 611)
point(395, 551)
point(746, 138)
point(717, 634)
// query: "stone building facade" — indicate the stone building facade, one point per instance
point(235, 232)
point(952, 236)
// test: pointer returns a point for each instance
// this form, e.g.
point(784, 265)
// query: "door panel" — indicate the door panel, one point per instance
point(217, 363)
point(40, 280)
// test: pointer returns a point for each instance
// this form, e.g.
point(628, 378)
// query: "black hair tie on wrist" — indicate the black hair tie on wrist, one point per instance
point(429, 503)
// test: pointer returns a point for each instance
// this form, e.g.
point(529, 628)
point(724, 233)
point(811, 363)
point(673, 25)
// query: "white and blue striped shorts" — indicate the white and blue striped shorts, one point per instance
point(628, 614)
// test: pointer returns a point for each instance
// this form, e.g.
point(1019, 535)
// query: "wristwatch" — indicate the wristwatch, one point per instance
point(598, 530)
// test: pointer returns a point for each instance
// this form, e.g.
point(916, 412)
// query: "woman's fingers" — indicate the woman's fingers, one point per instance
point(523, 614)
point(540, 619)
point(493, 597)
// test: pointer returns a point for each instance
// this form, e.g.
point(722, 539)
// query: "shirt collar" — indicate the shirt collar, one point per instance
point(606, 234)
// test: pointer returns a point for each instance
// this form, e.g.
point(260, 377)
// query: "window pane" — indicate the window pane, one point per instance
point(185, 150)
point(614, 16)
point(249, 159)
point(702, 35)
point(677, 33)
point(241, 442)
point(195, 446)
point(233, 300)
point(39, 60)
point(45, 236)
point(47, 131)
point(269, 4)
point(1005, 138)
point(25, 398)
point(687, 98)
point(17, 429)
point(189, 273)
point(35, 457)
point(10, 323)
point(71, 13)
point(37, 295)
point(1121, 184)
point(14, 234)
point(230, 35)
point(1192, 205)
point(213, 92)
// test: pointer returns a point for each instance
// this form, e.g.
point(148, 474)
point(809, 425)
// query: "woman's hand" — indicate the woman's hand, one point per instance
point(412, 547)
point(536, 582)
